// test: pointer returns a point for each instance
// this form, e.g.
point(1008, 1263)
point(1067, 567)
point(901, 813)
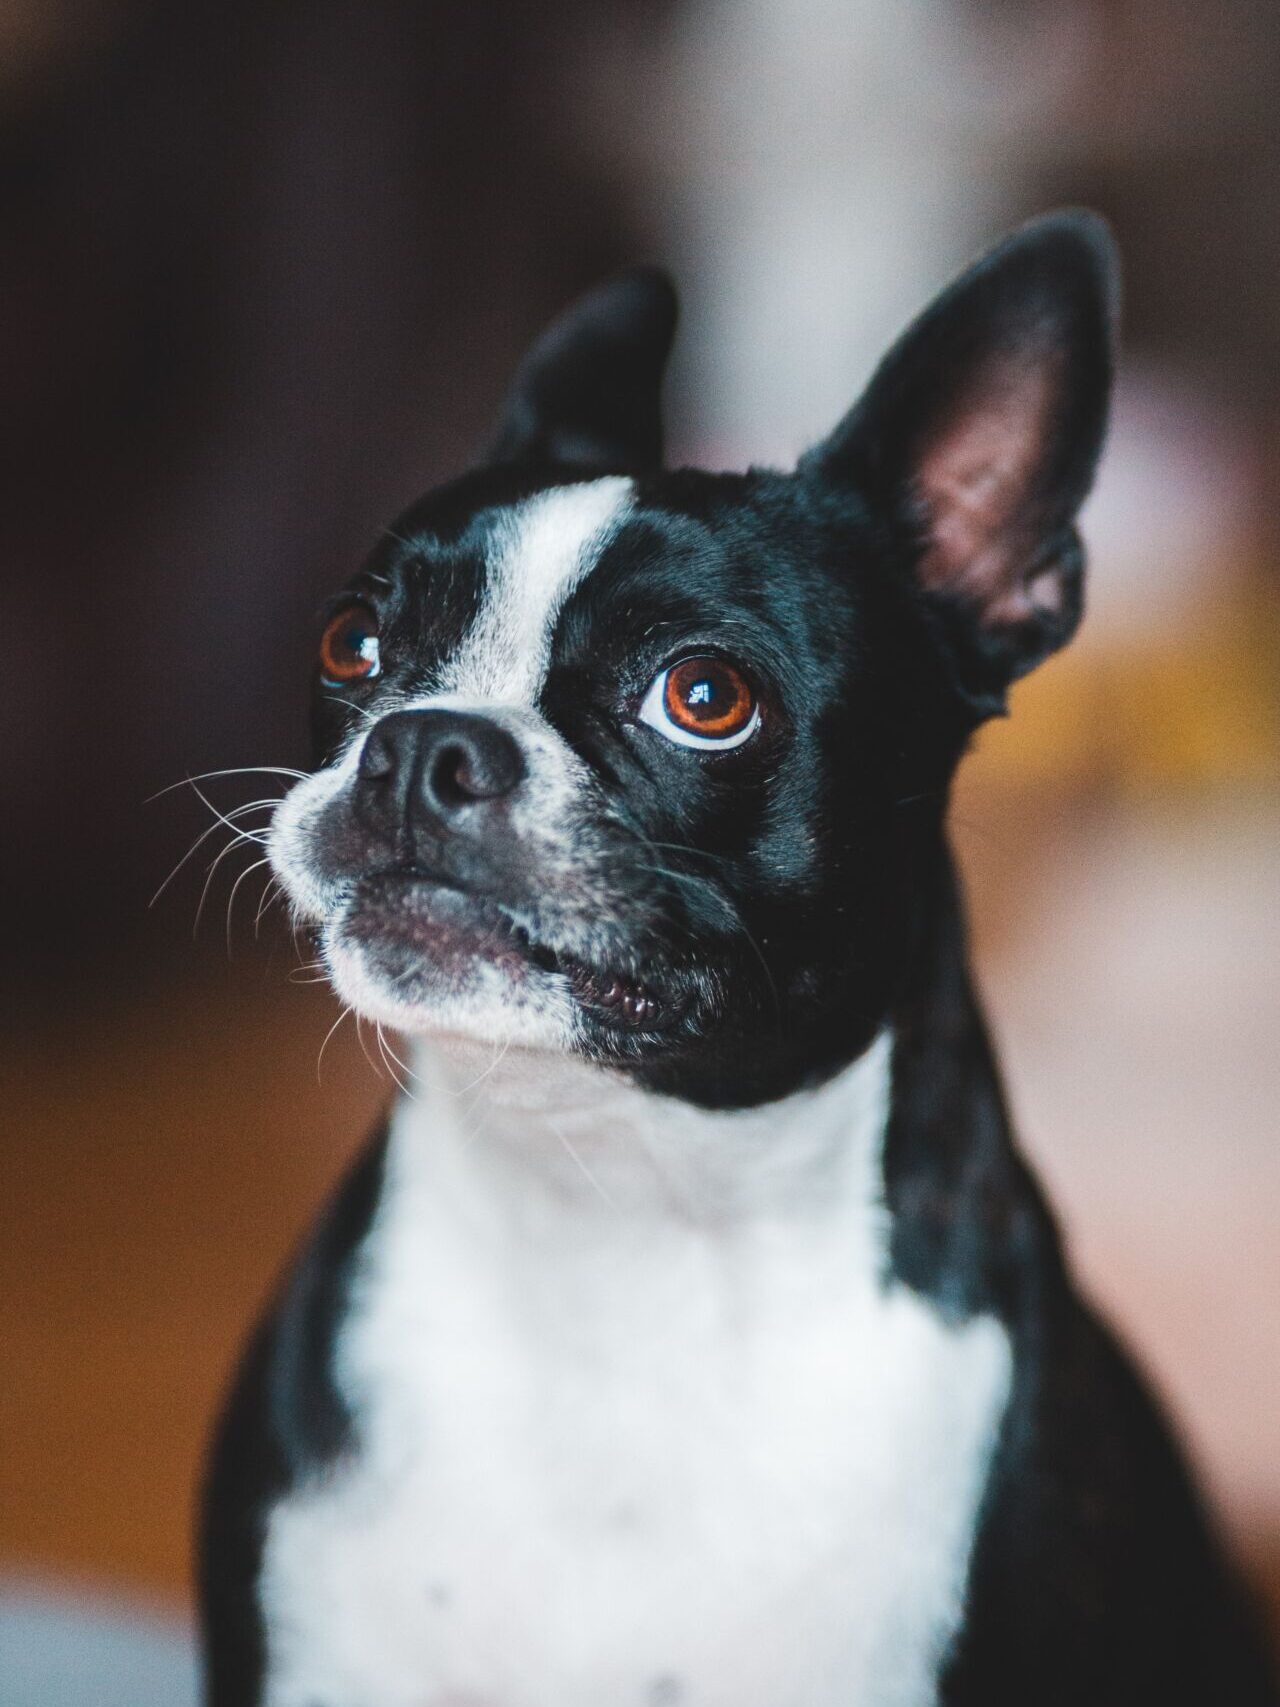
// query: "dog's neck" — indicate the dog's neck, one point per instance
point(551, 1132)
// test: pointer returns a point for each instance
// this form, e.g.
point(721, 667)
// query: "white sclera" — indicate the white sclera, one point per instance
point(653, 711)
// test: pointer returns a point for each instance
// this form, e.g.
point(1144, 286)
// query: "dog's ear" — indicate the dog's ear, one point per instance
point(976, 442)
point(588, 391)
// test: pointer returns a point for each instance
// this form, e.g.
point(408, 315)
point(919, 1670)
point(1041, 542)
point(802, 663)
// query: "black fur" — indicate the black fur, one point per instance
point(880, 602)
point(587, 394)
point(1095, 1576)
point(284, 1422)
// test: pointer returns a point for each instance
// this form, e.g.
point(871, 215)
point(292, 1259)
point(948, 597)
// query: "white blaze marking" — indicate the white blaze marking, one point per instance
point(543, 550)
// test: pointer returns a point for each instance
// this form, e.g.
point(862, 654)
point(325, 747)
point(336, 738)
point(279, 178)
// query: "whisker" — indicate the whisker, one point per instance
point(235, 770)
point(328, 1034)
point(231, 899)
point(915, 799)
point(236, 841)
point(403, 1065)
point(222, 818)
point(364, 1047)
point(499, 1056)
point(706, 884)
point(296, 928)
point(586, 1171)
point(252, 805)
point(382, 1050)
point(414, 545)
point(348, 705)
point(684, 848)
point(271, 891)
point(295, 975)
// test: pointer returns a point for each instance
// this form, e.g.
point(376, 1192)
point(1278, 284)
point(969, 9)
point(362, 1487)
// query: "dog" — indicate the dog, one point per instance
point(694, 1335)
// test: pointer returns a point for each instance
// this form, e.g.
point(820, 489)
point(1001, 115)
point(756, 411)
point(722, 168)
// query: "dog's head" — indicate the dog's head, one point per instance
point(651, 765)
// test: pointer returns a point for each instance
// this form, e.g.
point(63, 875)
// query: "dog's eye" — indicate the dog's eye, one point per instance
point(349, 647)
point(702, 702)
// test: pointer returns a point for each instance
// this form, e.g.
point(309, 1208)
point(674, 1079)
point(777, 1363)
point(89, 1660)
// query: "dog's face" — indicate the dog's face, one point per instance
point(651, 766)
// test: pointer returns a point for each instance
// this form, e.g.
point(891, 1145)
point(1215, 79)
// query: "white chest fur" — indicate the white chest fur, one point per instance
point(641, 1423)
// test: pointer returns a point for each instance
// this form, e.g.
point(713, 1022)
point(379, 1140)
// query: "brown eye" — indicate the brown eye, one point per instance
point(349, 647)
point(702, 702)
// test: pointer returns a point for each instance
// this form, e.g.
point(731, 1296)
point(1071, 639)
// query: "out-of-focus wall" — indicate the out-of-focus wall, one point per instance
point(263, 270)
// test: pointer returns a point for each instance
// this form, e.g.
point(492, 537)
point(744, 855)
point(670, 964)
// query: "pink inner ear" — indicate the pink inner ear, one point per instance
point(976, 479)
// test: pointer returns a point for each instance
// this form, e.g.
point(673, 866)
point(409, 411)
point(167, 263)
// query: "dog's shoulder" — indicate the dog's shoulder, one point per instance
point(284, 1421)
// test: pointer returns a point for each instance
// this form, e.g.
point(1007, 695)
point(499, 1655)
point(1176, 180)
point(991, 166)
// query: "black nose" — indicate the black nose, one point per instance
point(434, 770)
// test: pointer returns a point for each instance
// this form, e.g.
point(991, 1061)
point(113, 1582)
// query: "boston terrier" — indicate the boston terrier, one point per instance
point(693, 1334)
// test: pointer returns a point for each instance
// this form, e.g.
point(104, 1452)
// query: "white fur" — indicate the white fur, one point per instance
point(547, 545)
point(641, 1421)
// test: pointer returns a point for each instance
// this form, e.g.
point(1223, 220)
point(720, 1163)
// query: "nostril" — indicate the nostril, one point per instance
point(452, 780)
point(470, 762)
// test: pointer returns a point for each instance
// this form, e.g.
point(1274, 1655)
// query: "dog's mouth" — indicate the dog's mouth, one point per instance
point(424, 922)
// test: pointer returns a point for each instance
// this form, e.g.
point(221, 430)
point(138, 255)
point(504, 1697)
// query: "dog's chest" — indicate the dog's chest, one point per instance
point(650, 1462)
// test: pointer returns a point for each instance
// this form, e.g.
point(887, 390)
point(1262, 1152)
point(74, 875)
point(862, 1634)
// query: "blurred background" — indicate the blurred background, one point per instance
point(264, 269)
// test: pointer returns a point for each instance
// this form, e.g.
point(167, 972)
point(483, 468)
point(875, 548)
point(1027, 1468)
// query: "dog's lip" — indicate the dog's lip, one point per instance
point(463, 922)
point(436, 918)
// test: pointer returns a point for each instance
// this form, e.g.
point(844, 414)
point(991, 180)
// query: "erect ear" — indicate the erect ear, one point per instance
point(587, 392)
point(976, 442)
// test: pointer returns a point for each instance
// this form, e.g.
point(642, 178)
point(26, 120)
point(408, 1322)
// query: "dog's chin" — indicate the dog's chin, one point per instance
point(485, 1008)
point(432, 962)
point(426, 958)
